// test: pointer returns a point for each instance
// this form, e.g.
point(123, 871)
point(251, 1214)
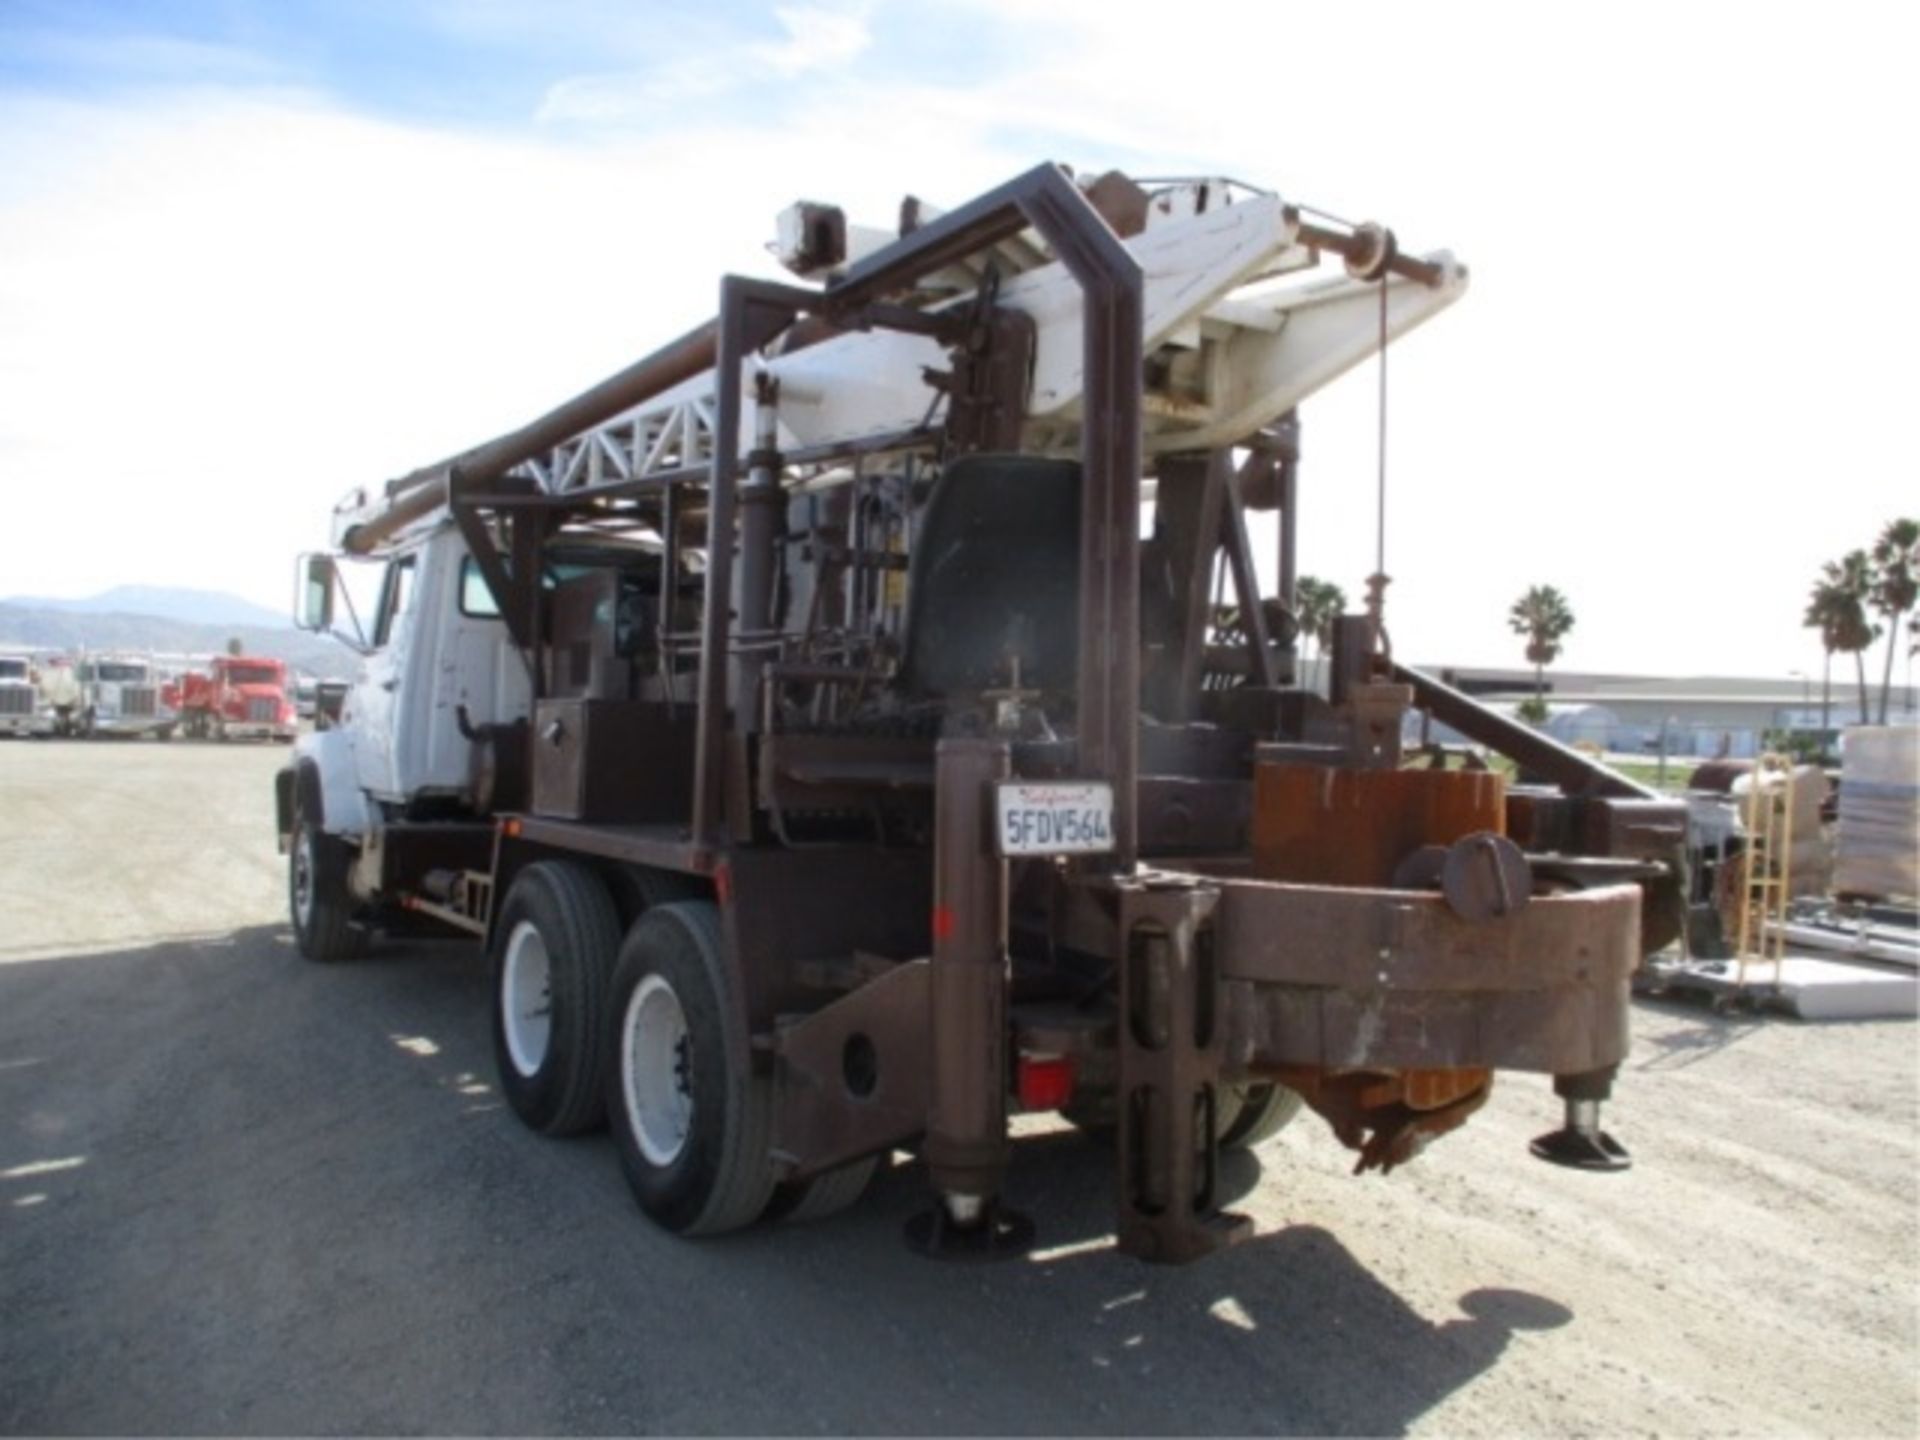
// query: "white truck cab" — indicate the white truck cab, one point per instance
point(120, 695)
point(21, 709)
point(437, 665)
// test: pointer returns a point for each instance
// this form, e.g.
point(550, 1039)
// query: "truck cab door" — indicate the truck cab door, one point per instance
point(373, 702)
point(437, 651)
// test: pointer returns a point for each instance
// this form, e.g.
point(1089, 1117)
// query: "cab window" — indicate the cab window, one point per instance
point(395, 596)
point(476, 600)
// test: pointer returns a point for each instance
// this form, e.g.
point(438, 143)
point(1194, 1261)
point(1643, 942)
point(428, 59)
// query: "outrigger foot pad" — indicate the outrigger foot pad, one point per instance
point(1582, 1150)
point(997, 1235)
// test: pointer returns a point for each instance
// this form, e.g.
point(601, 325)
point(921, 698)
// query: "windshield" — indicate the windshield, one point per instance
point(252, 675)
point(13, 669)
point(118, 672)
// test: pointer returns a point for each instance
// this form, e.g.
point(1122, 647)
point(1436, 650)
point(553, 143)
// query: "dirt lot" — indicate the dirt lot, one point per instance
point(241, 1193)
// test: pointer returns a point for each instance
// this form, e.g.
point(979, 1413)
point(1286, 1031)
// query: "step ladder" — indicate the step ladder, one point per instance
point(1766, 870)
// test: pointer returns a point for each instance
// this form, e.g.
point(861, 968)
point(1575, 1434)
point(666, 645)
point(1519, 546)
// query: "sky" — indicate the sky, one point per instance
point(255, 254)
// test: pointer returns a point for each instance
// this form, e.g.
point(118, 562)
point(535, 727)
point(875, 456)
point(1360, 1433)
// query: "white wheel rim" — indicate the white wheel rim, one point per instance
point(303, 878)
point(526, 998)
point(656, 1071)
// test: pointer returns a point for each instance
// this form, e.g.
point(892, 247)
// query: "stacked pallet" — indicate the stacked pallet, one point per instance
point(1879, 836)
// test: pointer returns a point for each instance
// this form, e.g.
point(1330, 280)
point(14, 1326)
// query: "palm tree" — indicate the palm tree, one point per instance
point(1319, 603)
point(1825, 608)
point(1851, 581)
point(1896, 585)
point(1544, 617)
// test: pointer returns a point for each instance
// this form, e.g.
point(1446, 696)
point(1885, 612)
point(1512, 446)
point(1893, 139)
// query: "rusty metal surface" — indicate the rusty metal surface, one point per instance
point(583, 766)
point(1172, 1048)
point(1246, 580)
point(1335, 936)
point(785, 909)
point(1632, 829)
point(752, 312)
point(1325, 825)
point(1372, 249)
point(966, 1149)
point(987, 388)
point(1187, 507)
point(1569, 769)
point(1377, 978)
point(1390, 1117)
point(1484, 877)
point(855, 1076)
point(658, 846)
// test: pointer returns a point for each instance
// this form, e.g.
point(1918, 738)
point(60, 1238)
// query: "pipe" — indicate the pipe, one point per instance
point(1569, 769)
point(1363, 247)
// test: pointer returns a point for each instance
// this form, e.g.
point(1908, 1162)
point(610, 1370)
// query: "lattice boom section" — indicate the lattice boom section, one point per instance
point(633, 446)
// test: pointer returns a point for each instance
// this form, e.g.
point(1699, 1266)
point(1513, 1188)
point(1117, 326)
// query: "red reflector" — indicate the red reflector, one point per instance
point(723, 884)
point(942, 922)
point(1044, 1082)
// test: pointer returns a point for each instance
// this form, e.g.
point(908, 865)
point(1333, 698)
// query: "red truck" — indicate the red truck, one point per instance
point(237, 696)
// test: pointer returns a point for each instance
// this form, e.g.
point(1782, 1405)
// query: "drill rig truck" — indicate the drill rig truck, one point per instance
point(831, 765)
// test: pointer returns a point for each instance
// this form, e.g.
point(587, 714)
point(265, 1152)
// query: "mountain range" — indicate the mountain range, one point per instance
point(170, 622)
point(162, 602)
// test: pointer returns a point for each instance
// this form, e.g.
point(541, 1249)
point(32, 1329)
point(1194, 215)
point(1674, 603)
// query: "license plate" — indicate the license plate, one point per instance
point(1062, 817)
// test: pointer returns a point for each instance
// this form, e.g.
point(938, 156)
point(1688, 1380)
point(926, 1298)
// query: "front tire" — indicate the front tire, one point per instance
point(317, 895)
point(553, 948)
point(692, 1118)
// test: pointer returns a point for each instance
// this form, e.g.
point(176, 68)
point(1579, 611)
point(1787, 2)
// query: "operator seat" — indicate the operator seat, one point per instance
point(995, 573)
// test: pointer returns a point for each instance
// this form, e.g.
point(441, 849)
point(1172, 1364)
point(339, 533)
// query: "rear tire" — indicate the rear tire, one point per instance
point(1264, 1111)
point(798, 1202)
point(553, 949)
point(1247, 1114)
point(317, 895)
point(690, 1115)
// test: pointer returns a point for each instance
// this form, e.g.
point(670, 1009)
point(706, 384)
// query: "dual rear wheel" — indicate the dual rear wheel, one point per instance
point(643, 1032)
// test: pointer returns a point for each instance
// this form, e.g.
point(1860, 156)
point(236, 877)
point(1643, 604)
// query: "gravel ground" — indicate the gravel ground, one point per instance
point(239, 1193)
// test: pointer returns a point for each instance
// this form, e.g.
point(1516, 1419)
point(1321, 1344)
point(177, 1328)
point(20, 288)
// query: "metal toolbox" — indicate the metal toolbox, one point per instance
point(612, 760)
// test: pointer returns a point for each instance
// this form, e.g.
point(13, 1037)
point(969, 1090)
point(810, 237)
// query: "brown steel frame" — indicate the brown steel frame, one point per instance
point(1216, 973)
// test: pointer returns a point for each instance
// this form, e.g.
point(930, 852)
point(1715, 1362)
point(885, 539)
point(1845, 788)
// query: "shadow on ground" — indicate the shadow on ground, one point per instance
point(242, 1193)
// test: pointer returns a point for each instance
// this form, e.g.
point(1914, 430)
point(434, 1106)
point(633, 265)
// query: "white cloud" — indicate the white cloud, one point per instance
point(1677, 385)
point(218, 312)
point(817, 38)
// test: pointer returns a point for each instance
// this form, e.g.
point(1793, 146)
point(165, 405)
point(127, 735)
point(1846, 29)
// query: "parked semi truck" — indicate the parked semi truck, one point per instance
point(22, 708)
point(119, 695)
point(830, 764)
point(236, 697)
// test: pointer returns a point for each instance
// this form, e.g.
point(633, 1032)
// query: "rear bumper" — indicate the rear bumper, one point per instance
point(1356, 979)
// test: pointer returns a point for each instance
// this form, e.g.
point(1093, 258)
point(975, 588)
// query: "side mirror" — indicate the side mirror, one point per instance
point(314, 608)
